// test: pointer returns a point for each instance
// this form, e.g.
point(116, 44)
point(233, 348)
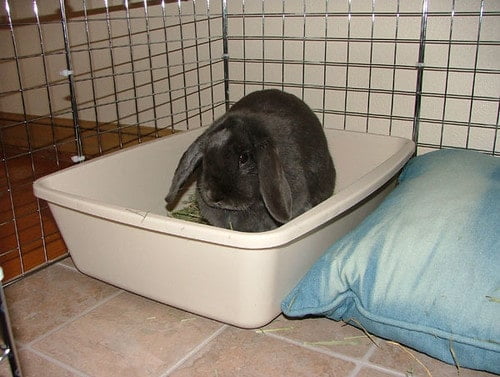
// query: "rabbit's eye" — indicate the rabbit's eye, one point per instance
point(243, 159)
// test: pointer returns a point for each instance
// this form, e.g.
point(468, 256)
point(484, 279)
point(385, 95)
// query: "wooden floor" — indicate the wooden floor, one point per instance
point(32, 133)
point(30, 149)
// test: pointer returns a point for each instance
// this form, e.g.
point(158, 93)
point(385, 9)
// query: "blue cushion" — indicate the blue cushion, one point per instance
point(424, 268)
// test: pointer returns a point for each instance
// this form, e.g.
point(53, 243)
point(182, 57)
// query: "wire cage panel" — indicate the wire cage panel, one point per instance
point(357, 64)
point(346, 61)
point(82, 78)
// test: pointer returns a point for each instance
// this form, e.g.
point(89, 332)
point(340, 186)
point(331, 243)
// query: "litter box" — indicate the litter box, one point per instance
point(111, 213)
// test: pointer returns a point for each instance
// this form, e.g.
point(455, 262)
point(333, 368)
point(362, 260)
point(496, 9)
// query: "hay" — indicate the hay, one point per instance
point(264, 331)
point(493, 299)
point(412, 356)
point(189, 212)
point(348, 341)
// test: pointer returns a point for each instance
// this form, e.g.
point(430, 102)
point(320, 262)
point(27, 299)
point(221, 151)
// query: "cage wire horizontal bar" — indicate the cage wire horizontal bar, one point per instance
point(360, 14)
point(258, 14)
point(358, 39)
point(75, 50)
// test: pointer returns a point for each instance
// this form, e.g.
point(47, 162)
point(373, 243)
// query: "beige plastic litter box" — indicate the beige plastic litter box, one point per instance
point(112, 215)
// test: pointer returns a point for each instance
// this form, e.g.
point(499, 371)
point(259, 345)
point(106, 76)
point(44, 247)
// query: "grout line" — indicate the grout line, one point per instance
point(363, 361)
point(56, 362)
point(359, 362)
point(356, 370)
point(194, 351)
point(74, 318)
point(384, 370)
point(316, 349)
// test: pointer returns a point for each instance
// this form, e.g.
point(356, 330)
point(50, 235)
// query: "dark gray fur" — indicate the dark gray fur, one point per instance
point(260, 165)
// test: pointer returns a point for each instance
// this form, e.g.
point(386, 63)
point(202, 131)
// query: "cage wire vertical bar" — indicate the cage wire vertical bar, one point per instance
point(150, 61)
point(225, 51)
point(167, 64)
point(132, 64)
point(69, 73)
point(474, 74)
point(263, 41)
point(52, 124)
point(348, 47)
point(244, 47)
point(28, 136)
point(92, 76)
point(325, 58)
point(446, 84)
point(420, 72)
point(370, 70)
point(283, 18)
point(183, 62)
point(304, 39)
point(113, 71)
point(47, 84)
point(197, 59)
point(394, 63)
point(210, 57)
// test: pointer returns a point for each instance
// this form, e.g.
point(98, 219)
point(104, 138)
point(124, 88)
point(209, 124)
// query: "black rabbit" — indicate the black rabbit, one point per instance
point(261, 164)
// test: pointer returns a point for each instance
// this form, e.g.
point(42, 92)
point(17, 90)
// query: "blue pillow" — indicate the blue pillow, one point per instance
point(424, 268)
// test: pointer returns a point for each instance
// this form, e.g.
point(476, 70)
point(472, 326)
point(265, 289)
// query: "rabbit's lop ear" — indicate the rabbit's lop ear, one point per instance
point(273, 184)
point(188, 162)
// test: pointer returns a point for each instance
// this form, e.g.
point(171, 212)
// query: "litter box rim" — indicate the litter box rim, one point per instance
point(329, 209)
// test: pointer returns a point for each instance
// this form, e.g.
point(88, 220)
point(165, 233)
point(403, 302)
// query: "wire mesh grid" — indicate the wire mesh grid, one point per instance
point(80, 81)
point(427, 70)
point(81, 78)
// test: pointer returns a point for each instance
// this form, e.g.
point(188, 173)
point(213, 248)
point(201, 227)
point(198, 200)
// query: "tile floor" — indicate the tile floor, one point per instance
point(68, 324)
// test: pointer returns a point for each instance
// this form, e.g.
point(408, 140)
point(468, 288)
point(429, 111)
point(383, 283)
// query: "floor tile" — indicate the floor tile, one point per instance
point(4, 369)
point(33, 365)
point(49, 298)
point(405, 360)
point(369, 372)
point(127, 336)
point(68, 262)
point(250, 353)
point(322, 333)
